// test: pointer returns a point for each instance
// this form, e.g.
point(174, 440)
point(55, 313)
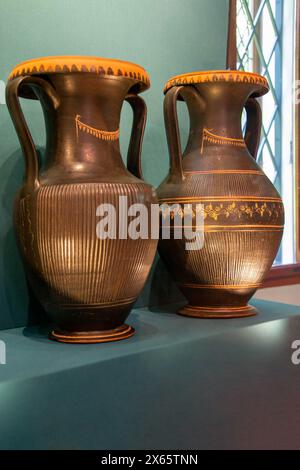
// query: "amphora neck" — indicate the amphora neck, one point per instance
point(215, 114)
point(83, 132)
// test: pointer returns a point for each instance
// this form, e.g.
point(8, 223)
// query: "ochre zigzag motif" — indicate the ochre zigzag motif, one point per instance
point(220, 140)
point(99, 134)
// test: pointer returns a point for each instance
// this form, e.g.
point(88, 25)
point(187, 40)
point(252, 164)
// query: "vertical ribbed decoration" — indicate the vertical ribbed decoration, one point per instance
point(80, 267)
point(232, 266)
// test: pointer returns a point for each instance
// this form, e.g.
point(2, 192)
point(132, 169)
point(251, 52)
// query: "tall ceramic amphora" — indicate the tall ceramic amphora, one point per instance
point(218, 174)
point(86, 282)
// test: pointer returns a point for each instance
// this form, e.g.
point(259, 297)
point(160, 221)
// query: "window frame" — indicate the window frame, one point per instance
point(285, 274)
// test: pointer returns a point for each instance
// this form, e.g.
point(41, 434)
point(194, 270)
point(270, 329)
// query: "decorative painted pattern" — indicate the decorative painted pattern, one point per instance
point(99, 134)
point(122, 332)
point(222, 286)
point(224, 228)
point(219, 309)
point(224, 172)
point(95, 306)
point(187, 199)
point(225, 184)
point(85, 64)
point(26, 234)
point(208, 136)
point(268, 211)
point(218, 76)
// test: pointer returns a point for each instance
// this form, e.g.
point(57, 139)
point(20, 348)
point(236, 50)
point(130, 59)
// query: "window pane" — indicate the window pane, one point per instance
point(265, 39)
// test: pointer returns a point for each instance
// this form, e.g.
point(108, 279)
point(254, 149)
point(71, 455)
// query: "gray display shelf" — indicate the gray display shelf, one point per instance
point(179, 383)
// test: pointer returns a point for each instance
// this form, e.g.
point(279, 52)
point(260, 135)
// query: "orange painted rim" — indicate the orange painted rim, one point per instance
point(82, 64)
point(233, 76)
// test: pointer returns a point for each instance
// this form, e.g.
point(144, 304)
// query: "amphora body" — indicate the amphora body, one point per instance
point(243, 212)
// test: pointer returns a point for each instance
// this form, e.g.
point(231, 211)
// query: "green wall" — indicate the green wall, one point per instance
point(167, 37)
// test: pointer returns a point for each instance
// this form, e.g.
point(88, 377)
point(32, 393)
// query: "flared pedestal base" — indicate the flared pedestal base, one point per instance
point(217, 312)
point(122, 332)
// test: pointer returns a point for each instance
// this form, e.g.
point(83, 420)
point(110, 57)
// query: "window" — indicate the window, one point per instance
point(266, 42)
point(265, 39)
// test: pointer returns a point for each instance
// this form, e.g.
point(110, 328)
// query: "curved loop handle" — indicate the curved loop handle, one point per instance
point(139, 109)
point(195, 104)
point(12, 99)
point(253, 126)
point(172, 131)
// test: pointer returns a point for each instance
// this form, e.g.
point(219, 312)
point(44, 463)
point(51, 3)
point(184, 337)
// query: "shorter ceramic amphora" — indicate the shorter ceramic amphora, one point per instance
point(243, 212)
